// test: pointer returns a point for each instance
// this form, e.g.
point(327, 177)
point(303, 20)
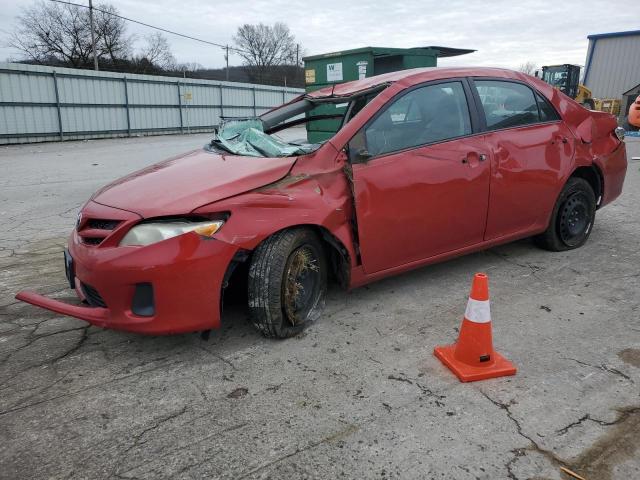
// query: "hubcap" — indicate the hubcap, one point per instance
point(575, 219)
point(301, 283)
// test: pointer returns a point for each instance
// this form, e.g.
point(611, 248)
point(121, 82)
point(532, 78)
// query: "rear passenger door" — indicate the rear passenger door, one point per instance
point(530, 149)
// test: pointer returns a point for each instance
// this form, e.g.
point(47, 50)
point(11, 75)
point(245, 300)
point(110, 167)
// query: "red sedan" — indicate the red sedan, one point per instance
point(429, 164)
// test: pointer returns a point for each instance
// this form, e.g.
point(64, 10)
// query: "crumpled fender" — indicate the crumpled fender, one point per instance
point(320, 198)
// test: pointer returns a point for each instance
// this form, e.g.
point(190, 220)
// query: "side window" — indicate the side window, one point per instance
point(424, 115)
point(547, 112)
point(507, 104)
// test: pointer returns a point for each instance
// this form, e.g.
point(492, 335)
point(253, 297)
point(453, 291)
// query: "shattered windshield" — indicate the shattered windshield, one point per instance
point(247, 137)
point(256, 136)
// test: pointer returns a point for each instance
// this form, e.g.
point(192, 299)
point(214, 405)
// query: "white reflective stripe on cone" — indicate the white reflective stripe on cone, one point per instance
point(478, 311)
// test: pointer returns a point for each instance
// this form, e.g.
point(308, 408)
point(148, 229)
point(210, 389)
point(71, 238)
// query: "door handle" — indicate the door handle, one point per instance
point(559, 139)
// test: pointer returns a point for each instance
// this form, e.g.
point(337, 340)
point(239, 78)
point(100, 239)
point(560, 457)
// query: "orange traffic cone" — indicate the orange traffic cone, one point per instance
point(472, 357)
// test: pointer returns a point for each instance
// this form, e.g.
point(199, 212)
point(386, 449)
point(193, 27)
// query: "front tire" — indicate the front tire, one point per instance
point(572, 218)
point(287, 282)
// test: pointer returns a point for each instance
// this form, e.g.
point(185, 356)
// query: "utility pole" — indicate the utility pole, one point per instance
point(226, 57)
point(93, 36)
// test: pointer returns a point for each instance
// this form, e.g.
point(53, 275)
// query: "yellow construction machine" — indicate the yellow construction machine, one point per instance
point(566, 78)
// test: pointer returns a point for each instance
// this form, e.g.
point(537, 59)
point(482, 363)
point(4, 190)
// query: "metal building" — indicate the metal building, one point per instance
point(612, 66)
point(40, 104)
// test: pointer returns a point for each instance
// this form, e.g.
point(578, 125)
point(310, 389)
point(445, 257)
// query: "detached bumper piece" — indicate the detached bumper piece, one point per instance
point(96, 316)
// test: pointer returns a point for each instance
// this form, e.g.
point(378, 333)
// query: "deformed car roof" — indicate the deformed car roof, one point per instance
point(414, 75)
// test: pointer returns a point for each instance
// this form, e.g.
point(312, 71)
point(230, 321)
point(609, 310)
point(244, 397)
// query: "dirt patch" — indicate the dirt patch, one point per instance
point(620, 443)
point(630, 356)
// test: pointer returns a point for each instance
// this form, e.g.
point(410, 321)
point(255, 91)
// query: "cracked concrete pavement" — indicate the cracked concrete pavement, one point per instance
point(357, 395)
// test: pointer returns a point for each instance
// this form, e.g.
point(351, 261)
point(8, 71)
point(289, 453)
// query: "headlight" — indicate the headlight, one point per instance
point(148, 233)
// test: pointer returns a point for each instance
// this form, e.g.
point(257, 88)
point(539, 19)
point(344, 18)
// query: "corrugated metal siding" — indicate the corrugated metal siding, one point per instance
point(92, 104)
point(614, 67)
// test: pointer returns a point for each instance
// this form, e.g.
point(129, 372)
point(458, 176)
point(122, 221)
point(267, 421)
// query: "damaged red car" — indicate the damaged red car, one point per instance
point(428, 164)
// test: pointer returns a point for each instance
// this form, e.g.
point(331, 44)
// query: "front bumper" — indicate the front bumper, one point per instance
point(186, 274)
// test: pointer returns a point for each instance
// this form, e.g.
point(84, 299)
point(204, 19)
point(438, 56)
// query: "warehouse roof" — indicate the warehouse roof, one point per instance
point(379, 51)
point(613, 34)
point(632, 91)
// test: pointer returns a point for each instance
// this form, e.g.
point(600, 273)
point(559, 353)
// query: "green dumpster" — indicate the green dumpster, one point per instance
point(339, 67)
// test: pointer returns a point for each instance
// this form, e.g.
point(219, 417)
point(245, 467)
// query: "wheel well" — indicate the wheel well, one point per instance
point(337, 254)
point(337, 257)
point(594, 177)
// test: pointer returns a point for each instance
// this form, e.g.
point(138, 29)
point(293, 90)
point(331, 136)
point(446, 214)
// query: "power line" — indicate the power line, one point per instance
point(224, 47)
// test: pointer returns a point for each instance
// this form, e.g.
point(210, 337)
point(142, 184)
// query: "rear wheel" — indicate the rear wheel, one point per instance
point(572, 218)
point(287, 282)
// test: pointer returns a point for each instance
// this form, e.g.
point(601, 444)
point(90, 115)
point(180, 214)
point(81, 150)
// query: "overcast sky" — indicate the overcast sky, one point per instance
point(506, 33)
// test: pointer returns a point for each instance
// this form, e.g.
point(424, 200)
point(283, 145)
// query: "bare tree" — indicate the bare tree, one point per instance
point(528, 67)
point(263, 46)
point(158, 52)
point(112, 39)
point(52, 31)
point(49, 32)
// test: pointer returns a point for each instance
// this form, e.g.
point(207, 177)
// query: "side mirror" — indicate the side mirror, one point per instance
point(362, 155)
point(357, 148)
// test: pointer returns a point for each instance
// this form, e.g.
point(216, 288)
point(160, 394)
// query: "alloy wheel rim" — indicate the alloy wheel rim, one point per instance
point(301, 283)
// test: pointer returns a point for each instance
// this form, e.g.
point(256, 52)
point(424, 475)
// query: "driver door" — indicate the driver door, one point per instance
point(421, 178)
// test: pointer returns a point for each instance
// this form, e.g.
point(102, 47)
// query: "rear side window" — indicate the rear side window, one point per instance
point(547, 112)
point(429, 114)
point(507, 104)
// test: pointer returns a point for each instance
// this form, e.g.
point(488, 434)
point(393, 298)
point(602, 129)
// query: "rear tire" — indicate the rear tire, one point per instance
point(287, 282)
point(572, 217)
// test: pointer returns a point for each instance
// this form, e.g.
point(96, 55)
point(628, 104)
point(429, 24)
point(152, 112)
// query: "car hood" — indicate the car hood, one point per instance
point(180, 185)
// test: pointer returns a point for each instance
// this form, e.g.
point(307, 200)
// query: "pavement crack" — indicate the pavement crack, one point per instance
point(533, 445)
point(155, 425)
point(587, 417)
point(218, 356)
point(31, 339)
point(517, 453)
point(424, 389)
point(602, 367)
point(351, 428)
point(90, 387)
point(76, 347)
point(400, 379)
point(191, 444)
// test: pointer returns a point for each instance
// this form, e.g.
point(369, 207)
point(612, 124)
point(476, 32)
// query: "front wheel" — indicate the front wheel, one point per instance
point(287, 282)
point(572, 218)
